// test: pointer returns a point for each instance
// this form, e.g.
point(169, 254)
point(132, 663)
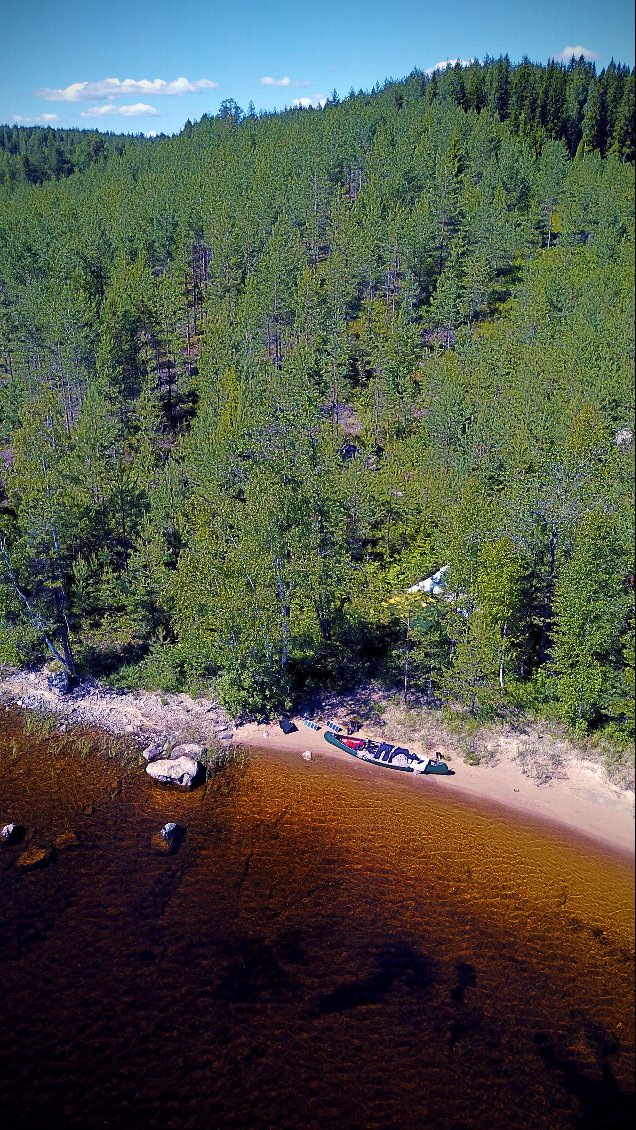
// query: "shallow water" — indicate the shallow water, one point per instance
point(324, 950)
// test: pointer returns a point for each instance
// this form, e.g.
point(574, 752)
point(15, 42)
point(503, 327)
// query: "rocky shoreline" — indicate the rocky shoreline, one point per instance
point(144, 717)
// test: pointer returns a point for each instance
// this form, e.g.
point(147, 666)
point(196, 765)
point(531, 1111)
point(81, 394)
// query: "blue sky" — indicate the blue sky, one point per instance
point(139, 67)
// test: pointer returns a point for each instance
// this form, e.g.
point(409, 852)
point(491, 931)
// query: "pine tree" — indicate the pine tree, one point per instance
point(590, 609)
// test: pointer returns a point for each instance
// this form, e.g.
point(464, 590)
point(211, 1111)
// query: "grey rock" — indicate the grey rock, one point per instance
point(167, 839)
point(60, 682)
point(187, 749)
point(623, 437)
point(153, 752)
point(180, 771)
point(11, 833)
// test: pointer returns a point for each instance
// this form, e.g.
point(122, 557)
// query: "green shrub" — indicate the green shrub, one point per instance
point(472, 758)
point(249, 693)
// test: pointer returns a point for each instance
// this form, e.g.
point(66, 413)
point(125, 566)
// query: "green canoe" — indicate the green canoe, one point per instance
point(387, 755)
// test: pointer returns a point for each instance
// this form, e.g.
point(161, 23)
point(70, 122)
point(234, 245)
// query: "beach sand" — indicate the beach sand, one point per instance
point(580, 800)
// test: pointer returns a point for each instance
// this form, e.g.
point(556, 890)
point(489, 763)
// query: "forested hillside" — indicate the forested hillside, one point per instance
point(261, 378)
point(33, 154)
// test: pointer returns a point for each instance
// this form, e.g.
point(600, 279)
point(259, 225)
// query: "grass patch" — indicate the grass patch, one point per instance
point(541, 760)
point(39, 725)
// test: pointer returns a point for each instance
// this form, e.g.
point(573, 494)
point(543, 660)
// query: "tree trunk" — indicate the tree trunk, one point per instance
point(284, 614)
point(407, 656)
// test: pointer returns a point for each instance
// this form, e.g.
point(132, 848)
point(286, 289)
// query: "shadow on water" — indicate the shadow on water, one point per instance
point(396, 963)
point(466, 979)
point(293, 964)
point(252, 969)
point(603, 1103)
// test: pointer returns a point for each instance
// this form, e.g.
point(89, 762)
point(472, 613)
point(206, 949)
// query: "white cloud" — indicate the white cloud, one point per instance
point(124, 88)
point(448, 63)
point(309, 103)
point(21, 119)
point(567, 53)
point(130, 110)
point(267, 80)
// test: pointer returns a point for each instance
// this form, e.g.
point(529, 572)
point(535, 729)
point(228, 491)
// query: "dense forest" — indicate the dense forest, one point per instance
point(259, 379)
point(38, 153)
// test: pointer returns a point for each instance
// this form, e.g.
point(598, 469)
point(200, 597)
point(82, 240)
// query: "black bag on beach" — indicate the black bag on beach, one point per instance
point(287, 726)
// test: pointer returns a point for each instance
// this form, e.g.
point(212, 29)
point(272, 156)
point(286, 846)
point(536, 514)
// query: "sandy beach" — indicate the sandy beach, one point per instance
point(581, 800)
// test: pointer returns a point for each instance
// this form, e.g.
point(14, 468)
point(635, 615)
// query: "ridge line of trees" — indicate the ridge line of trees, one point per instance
point(567, 102)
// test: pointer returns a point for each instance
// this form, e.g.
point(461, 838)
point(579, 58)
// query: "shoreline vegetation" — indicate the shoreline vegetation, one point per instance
point(533, 770)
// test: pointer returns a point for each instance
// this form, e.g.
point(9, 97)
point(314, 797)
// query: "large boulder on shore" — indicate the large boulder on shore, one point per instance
point(159, 750)
point(180, 771)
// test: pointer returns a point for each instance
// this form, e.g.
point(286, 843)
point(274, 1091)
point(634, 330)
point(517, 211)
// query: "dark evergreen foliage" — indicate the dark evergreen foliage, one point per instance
point(39, 153)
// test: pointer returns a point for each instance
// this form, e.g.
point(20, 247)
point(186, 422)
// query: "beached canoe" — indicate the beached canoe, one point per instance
point(390, 756)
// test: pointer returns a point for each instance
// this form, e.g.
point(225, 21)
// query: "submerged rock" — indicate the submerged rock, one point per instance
point(180, 771)
point(34, 857)
point(66, 840)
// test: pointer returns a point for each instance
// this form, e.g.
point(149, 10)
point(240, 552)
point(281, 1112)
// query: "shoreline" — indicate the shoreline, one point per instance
point(577, 798)
point(580, 803)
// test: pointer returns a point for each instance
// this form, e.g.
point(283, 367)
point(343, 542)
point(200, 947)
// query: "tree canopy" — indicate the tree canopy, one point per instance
point(259, 379)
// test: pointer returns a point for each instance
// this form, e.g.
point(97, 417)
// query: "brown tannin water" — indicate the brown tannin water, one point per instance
point(331, 947)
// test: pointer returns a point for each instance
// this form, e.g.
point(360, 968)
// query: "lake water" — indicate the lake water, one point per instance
point(327, 949)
